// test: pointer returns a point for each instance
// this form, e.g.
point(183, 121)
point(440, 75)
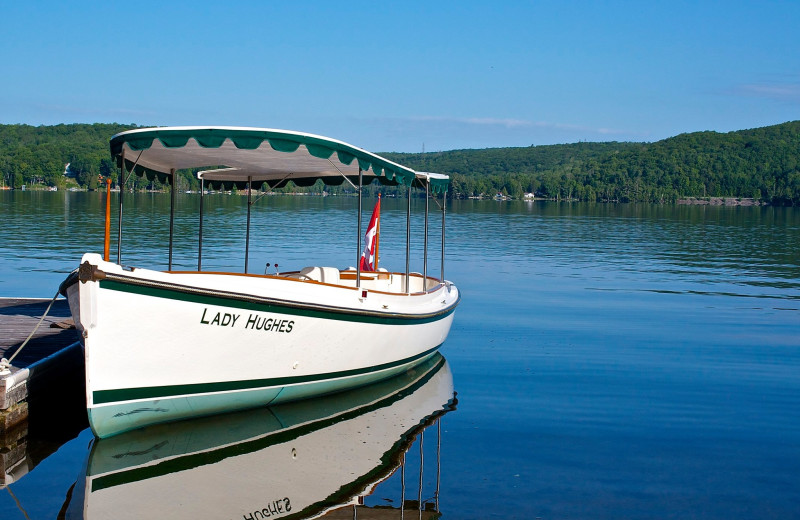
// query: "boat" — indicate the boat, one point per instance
point(153, 339)
point(317, 458)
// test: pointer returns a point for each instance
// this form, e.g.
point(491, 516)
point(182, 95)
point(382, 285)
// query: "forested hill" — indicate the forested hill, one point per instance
point(762, 163)
point(34, 155)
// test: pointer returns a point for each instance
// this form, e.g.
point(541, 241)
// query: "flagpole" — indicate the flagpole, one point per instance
point(358, 250)
point(378, 234)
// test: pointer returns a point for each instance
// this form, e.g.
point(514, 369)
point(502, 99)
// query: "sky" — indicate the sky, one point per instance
point(406, 76)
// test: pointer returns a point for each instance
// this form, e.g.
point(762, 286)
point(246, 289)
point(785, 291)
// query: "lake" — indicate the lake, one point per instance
point(610, 361)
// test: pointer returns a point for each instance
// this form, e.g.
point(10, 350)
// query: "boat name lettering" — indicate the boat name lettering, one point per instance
point(274, 508)
point(256, 322)
point(225, 319)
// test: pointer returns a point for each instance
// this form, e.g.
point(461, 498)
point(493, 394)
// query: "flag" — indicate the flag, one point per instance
point(369, 257)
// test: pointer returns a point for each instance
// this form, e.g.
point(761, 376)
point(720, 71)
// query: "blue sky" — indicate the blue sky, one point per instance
point(401, 76)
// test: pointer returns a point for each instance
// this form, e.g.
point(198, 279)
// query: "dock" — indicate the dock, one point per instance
point(42, 400)
point(48, 366)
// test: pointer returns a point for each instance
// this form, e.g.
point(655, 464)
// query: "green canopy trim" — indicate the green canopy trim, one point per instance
point(437, 183)
point(238, 155)
point(220, 185)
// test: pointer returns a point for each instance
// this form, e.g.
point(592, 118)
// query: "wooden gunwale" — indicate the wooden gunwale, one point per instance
point(348, 276)
point(139, 285)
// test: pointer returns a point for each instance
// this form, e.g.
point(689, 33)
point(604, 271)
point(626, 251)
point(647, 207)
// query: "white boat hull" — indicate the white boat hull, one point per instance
point(166, 346)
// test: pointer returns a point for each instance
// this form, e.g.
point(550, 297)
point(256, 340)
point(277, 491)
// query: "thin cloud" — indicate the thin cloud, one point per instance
point(516, 124)
point(66, 109)
point(776, 91)
point(479, 121)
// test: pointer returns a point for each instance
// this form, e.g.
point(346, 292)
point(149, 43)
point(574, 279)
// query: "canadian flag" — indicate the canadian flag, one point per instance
point(369, 257)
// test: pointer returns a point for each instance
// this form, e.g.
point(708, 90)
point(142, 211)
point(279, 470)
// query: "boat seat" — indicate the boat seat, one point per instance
point(350, 274)
point(321, 274)
point(380, 280)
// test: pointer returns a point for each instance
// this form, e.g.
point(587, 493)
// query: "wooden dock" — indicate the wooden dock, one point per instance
point(42, 400)
point(18, 317)
point(50, 366)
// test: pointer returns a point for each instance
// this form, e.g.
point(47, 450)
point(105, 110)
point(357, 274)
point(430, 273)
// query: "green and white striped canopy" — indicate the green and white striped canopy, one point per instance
point(237, 155)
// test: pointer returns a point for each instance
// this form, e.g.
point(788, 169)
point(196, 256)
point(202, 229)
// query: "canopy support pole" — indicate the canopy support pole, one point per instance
point(247, 239)
point(171, 215)
point(444, 211)
point(121, 183)
point(200, 232)
point(408, 243)
point(358, 246)
point(425, 246)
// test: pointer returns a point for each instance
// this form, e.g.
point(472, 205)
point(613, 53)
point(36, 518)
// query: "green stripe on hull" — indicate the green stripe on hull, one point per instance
point(162, 392)
point(241, 301)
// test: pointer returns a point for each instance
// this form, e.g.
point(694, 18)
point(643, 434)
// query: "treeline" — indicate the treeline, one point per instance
point(66, 155)
point(32, 155)
point(762, 163)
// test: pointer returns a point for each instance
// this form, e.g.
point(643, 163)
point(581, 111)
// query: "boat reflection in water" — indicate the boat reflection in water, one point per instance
point(306, 459)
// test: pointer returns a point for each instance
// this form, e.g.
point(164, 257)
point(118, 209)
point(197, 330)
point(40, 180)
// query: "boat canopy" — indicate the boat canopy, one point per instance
point(237, 155)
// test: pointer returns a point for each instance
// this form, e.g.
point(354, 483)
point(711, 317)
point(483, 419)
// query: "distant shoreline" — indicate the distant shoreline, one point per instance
point(684, 201)
point(721, 201)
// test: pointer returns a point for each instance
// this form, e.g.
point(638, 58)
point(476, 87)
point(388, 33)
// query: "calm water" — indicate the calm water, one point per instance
point(610, 361)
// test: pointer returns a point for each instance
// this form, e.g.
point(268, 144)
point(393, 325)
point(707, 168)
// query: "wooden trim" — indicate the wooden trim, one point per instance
point(365, 275)
point(348, 275)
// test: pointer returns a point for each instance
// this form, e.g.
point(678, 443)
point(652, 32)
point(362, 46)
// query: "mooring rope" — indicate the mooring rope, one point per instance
point(19, 505)
point(5, 364)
